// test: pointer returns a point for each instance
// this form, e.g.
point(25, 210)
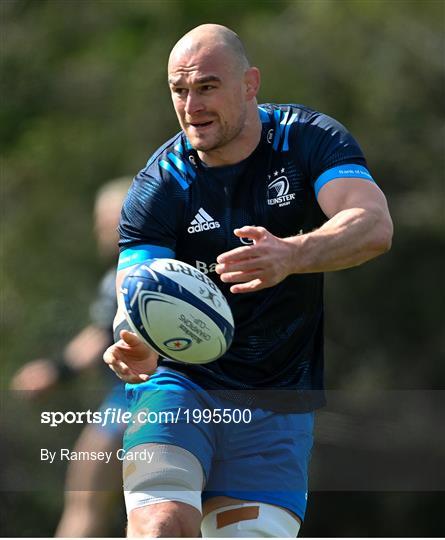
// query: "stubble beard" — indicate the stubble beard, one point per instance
point(224, 136)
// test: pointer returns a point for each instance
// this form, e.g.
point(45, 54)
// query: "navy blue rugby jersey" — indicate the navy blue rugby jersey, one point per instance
point(178, 207)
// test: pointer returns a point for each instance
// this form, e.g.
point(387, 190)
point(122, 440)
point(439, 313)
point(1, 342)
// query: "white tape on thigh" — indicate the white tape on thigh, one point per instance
point(156, 473)
point(260, 521)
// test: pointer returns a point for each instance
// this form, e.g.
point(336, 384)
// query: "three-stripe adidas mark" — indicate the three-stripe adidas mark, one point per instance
point(202, 222)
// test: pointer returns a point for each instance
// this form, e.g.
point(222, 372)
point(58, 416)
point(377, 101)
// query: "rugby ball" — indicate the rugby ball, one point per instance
point(178, 311)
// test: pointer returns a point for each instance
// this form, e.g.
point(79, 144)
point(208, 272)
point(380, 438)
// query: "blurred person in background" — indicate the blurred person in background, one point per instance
point(86, 499)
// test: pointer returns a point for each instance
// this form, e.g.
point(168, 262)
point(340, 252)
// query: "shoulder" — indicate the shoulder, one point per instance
point(281, 115)
point(306, 127)
point(153, 208)
point(284, 122)
point(172, 163)
point(314, 139)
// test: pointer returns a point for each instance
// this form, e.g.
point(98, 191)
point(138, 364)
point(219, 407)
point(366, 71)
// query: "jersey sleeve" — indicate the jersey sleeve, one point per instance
point(151, 213)
point(330, 151)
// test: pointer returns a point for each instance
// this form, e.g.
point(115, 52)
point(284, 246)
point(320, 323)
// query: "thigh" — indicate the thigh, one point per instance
point(265, 461)
point(161, 413)
point(114, 401)
point(163, 495)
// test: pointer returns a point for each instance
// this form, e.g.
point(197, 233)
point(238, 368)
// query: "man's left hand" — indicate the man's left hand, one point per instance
point(264, 263)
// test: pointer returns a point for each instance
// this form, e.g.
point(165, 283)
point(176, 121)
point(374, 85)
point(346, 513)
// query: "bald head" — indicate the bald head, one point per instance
point(210, 39)
point(214, 90)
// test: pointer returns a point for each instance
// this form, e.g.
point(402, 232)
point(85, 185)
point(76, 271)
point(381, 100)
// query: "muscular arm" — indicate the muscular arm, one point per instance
point(82, 352)
point(359, 228)
point(87, 347)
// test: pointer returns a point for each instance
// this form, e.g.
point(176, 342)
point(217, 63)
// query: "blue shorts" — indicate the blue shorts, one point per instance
point(115, 399)
point(263, 459)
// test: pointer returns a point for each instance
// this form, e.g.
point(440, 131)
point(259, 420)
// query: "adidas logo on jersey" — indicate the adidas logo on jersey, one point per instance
point(202, 222)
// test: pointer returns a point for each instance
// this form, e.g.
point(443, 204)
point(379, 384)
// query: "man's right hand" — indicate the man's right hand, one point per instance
point(131, 359)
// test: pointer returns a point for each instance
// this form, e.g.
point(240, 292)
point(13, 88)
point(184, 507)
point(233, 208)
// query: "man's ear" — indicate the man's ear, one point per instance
point(252, 79)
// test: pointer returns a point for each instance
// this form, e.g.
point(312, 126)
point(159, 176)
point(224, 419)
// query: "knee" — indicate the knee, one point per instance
point(153, 522)
point(163, 497)
point(170, 519)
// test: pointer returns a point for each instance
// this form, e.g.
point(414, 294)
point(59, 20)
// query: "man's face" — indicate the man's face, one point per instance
point(208, 96)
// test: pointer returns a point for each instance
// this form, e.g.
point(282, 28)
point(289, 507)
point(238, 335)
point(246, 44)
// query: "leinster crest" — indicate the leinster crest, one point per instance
point(278, 191)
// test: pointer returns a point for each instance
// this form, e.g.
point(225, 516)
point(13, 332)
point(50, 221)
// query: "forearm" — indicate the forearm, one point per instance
point(350, 238)
point(86, 348)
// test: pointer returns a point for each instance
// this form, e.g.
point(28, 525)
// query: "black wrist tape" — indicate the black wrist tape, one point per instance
point(64, 371)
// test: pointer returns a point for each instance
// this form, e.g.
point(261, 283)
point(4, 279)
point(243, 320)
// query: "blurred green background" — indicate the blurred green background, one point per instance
point(85, 99)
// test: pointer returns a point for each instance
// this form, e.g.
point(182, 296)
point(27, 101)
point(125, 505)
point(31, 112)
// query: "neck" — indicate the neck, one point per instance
point(238, 149)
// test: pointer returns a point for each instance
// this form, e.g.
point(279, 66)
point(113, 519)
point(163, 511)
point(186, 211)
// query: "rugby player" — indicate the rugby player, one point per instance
point(264, 199)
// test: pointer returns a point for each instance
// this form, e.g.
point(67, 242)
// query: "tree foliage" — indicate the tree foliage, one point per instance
point(84, 99)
